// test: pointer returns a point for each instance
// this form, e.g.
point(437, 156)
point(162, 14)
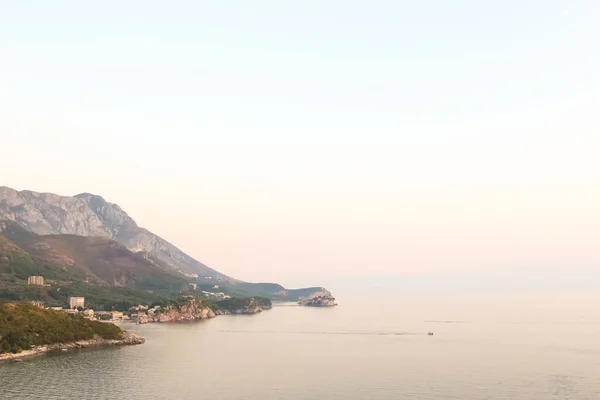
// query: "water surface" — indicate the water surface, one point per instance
point(501, 349)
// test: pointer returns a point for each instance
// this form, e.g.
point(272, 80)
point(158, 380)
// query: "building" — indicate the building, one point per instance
point(138, 308)
point(37, 304)
point(89, 313)
point(115, 315)
point(194, 285)
point(35, 280)
point(103, 315)
point(75, 302)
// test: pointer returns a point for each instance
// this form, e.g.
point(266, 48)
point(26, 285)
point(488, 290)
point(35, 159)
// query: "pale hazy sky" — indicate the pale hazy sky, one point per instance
point(298, 141)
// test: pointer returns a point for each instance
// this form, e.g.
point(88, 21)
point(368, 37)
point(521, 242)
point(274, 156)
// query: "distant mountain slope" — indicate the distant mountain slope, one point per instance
point(94, 240)
point(98, 260)
point(272, 290)
point(90, 215)
point(103, 271)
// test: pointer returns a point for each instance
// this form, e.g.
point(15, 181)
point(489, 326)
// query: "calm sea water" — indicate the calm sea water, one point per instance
point(505, 348)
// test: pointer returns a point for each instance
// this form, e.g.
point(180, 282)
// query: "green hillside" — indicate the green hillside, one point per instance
point(24, 325)
point(108, 275)
point(273, 291)
point(95, 259)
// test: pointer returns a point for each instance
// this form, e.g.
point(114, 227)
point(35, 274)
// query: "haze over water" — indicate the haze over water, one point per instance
point(497, 346)
point(452, 146)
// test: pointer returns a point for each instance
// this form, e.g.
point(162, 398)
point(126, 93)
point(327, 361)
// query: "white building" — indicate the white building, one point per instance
point(35, 280)
point(75, 302)
point(116, 315)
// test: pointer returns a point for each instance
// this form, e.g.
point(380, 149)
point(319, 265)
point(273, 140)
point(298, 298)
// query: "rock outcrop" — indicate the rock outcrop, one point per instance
point(319, 301)
point(186, 309)
point(239, 306)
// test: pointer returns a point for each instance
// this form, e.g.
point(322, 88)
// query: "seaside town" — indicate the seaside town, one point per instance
point(135, 313)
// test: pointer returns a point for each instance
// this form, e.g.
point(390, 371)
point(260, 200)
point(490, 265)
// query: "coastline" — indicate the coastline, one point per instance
point(128, 339)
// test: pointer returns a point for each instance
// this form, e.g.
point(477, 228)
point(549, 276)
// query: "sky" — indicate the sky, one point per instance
point(304, 142)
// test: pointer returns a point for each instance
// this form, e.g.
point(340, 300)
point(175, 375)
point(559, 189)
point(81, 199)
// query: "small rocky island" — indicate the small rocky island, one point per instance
point(324, 300)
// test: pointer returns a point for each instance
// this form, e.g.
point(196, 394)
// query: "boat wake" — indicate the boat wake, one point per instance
point(326, 333)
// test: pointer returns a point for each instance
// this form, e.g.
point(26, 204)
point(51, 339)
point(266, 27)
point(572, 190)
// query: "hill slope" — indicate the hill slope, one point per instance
point(103, 254)
point(90, 215)
point(107, 274)
point(98, 260)
point(23, 326)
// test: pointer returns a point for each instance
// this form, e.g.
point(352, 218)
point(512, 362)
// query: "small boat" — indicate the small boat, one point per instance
point(17, 360)
point(430, 333)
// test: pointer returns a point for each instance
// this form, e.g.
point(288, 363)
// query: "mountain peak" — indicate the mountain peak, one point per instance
point(87, 214)
point(86, 195)
point(5, 191)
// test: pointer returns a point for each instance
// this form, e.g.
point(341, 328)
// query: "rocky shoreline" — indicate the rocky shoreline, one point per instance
point(191, 308)
point(319, 301)
point(245, 307)
point(187, 308)
point(127, 340)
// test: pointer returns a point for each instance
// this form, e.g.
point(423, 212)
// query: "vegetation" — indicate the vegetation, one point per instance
point(264, 302)
point(24, 325)
point(238, 303)
point(99, 298)
point(234, 303)
point(97, 260)
point(272, 291)
point(184, 301)
point(109, 276)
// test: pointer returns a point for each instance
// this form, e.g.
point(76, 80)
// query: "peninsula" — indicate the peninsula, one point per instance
point(28, 330)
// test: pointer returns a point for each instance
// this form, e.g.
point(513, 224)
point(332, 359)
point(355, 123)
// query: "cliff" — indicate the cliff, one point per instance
point(188, 308)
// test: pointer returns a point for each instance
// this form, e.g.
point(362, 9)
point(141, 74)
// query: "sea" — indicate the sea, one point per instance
point(496, 346)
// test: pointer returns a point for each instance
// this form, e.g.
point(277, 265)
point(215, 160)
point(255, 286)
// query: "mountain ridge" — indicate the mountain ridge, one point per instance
point(57, 221)
point(86, 214)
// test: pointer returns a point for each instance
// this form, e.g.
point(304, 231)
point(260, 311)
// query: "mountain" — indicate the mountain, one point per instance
point(90, 215)
point(92, 247)
point(97, 260)
point(106, 273)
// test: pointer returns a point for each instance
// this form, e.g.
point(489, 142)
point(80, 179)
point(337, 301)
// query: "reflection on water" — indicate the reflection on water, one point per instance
point(354, 351)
